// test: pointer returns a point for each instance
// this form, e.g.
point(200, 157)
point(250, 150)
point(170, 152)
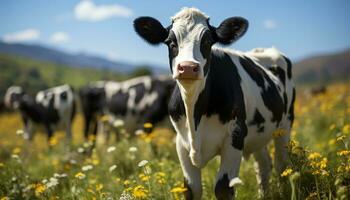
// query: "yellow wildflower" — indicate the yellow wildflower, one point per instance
point(287, 172)
point(5, 198)
point(139, 192)
point(126, 182)
point(147, 125)
point(323, 163)
point(332, 127)
point(331, 141)
point(99, 187)
point(341, 138)
point(80, 175)
point(104, 118)
point(53, 141)
point(144, 177)
point(314, 155)
point(39, 189)
point(2, 164)
point(95, 161)
point(178, 190)
point(343, 153)
point(346, 129)
point(16, 150)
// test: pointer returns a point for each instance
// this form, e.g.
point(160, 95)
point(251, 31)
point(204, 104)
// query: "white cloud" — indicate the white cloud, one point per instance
point(112, 56)
point(22, 36)
point(86, 10)
point(59, 37)
point(270, 24)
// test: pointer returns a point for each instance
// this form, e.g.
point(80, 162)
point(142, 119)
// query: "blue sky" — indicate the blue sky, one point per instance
point(299, 28)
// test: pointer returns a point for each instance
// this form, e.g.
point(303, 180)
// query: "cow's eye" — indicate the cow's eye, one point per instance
point(172, 45)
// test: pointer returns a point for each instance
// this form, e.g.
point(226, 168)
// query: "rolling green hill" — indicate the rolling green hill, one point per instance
point(36, 75)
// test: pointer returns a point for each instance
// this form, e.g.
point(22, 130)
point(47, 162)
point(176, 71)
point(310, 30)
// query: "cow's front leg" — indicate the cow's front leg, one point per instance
point(227, 176)
point(192, 174)
point(28, 129)
point(231, 156)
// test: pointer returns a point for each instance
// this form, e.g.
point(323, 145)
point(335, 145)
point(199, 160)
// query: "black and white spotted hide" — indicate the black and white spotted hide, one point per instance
point(225, 102)
point(136, 102)
point(52, 109)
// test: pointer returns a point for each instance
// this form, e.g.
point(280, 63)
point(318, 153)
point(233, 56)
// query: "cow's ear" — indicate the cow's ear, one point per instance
point(150, 30)
point(231, 29)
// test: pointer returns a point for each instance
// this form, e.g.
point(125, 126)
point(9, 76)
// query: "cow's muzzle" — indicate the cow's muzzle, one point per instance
point(188, 70)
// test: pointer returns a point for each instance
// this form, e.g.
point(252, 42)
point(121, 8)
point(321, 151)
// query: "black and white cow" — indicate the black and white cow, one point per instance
point(53, 109)
point(93, 104)
point(136, 101)
point(226, 103)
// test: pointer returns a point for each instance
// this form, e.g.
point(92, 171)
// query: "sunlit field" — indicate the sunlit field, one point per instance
point(147, 167)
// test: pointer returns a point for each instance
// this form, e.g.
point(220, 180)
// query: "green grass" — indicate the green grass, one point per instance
point(319, 166)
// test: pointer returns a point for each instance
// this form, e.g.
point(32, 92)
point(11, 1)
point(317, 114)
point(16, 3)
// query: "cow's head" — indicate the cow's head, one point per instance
point(13, 97)
point(189, 39)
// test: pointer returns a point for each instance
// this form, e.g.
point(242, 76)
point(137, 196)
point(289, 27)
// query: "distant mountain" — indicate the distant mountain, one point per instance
point(323, 68)
point(42, 53)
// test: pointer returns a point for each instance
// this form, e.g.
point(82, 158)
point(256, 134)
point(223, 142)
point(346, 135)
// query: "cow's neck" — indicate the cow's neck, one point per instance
point(190, 94)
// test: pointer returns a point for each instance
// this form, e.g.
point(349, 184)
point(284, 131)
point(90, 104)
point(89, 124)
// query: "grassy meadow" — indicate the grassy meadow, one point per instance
point(147, 167)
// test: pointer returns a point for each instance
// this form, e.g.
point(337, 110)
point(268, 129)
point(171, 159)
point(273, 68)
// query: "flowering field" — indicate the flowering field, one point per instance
point(147, 167)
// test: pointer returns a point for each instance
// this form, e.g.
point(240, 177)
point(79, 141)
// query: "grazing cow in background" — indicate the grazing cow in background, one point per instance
point(225, 102)
point(54, 109)
point(136, 101)
point(93, 103)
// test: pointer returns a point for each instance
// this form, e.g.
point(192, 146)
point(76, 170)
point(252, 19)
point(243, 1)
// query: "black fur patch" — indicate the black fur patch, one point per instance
point(222, 189)
point(188, 193)
point(176, 106)
point(291, 108)
point(140, 92)
point(223, 95)
point(93, 101)
point(173, 48)
point(271, 97)
point(258, 120)
point(280, 73)
point(285, 99)
point(289, 67)
point(157, 111)
point(63, 95)
point(205, 48)
point(118, 103)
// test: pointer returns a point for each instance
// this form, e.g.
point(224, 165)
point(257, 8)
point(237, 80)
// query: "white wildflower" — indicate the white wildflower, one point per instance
point(72, 161)
point(80, 150)
point(133, 149)
point(52, 183)
point(118, 123)
point(87, 168)
point(112, 168)
point(19, 132)
point(111, 149)
point(139, 132)
point(142, 163)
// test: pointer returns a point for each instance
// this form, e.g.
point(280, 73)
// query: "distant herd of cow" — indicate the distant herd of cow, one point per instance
point(136, 101)
point(220, 101)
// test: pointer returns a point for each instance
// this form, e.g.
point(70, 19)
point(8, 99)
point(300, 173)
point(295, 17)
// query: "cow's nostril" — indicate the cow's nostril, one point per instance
point(195, 69)
point(180, 69)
